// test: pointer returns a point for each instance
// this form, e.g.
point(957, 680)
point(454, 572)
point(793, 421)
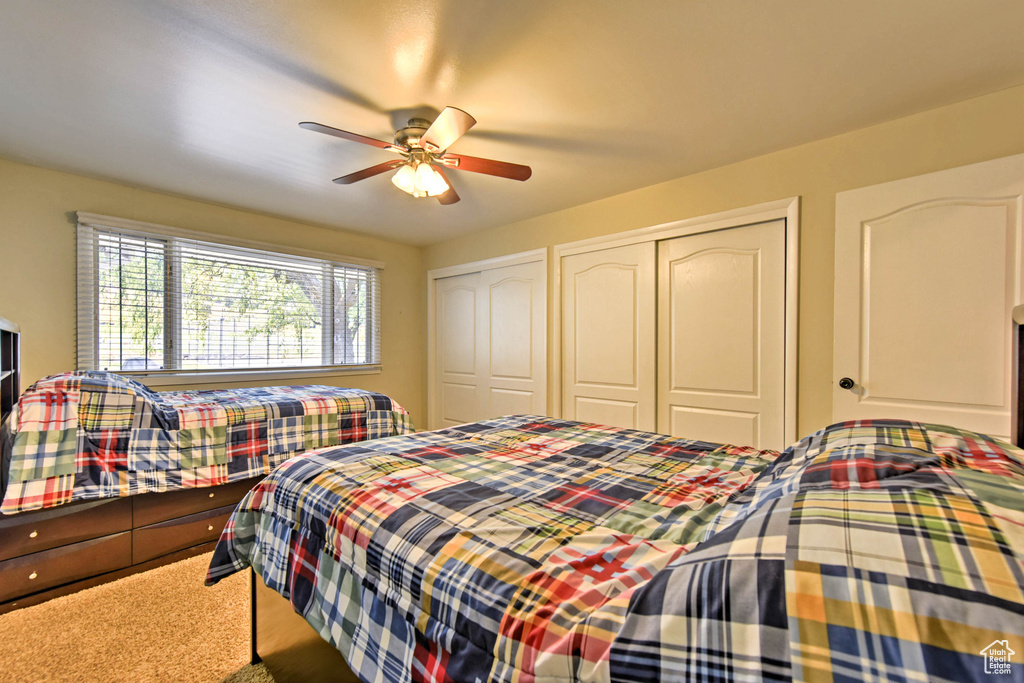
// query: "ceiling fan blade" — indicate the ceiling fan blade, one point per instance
point(450, 125)
point(451, 196)
point(502, 169)
point(344, 134)
point(368, 172)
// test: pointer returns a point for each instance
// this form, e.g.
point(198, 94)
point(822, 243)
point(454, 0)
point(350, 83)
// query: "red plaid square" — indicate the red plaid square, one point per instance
point(319, 405)
point(203, 415)
point(107, 449)
point(208, 475)
point(351, 428)
point(247, 440)
point(49, 411)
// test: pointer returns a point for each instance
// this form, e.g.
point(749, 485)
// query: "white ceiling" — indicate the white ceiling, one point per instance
point(203, 98)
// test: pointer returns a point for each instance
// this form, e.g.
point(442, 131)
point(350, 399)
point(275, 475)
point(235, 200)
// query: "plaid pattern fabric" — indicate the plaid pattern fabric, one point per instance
point(536, 550)
point(84, 435)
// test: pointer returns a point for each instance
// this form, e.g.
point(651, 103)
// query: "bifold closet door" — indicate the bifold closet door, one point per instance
point(721, 336)
point(459, 361)
point(490, 350)
point(608, 328)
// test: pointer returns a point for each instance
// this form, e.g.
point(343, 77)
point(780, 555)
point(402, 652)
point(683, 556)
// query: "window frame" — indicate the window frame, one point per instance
point(172, 315)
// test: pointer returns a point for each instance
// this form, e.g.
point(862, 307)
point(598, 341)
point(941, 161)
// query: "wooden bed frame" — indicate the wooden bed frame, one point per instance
point(48, 553)
point(288, 646)
point(294, 652)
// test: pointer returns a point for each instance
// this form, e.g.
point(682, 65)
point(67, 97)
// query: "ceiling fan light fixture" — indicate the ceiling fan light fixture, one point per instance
point(420, 179)
point(423, 145)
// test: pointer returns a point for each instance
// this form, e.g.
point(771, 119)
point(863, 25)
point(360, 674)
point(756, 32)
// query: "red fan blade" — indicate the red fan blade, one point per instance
point(368, 172)
point(451, 196)
point(344, 134)
point(502, 169)
point(450, 125)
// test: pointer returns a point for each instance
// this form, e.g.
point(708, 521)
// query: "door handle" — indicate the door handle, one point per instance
point(847, 383)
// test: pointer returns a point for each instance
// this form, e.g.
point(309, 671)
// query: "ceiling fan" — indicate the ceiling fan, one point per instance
point(423, 147)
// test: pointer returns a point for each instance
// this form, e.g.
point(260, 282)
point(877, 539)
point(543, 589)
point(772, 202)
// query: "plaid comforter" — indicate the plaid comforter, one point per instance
point(85, 435)
point(538, 550)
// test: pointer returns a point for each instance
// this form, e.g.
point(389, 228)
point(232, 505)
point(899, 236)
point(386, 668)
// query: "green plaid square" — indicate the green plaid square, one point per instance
point(241, 413)
point(320, 430)
point(202, 446)
point(40, 455)
point(102, 410)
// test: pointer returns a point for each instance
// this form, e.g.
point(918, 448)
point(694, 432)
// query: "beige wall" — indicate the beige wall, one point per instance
point(967, 132)
point(37, 269)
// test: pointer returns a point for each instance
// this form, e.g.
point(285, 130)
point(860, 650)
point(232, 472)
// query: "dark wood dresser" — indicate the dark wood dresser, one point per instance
point(48, 553)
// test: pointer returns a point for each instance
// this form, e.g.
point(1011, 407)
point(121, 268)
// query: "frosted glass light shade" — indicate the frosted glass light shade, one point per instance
point(437, 184)
point(405, 179)
point(424, 177)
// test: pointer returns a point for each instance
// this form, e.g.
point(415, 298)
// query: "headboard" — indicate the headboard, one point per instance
point(10, 366)
point(10, 388)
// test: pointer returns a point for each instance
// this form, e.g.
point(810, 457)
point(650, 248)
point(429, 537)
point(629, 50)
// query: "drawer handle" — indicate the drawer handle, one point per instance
point(33, 534)
point(212, 495)
point(32, 576)
point(209, 527)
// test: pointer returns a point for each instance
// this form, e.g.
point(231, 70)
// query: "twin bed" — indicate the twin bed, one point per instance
point(91, 435)
point(101, 477)
point(534, 549)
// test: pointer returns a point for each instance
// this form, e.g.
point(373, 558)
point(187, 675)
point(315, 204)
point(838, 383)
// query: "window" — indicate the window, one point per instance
point(177, 302)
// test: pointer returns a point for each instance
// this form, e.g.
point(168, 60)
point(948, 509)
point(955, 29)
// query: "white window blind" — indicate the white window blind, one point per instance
point(168, 303)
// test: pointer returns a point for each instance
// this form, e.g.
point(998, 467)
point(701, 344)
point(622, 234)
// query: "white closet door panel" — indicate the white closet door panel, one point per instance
point(607, 306)
point(928, 270)
point(511, 345)
point(916, 254)
point(459, 403)
point(714, 320)
point(607, 411)
point(457, 331)
point(608, 327)
point(721, 346)
point(512, 402)
point(513, 305)
point(457, 394)
point(716, 426)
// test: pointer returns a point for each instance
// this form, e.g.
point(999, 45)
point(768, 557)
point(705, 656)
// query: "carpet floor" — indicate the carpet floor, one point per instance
point(161, 625)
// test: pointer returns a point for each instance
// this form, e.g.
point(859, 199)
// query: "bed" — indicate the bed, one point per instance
point(88, 435)
point(100, 477)
point(533, 549)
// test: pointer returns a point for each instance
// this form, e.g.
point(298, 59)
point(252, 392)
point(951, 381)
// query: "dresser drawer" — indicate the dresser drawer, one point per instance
point(49, 568)
point(153, 508)
point(152, 541)
point(31, 532)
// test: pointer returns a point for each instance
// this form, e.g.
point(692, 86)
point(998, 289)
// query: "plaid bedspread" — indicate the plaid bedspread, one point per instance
point(85, 435)
point(537, 550)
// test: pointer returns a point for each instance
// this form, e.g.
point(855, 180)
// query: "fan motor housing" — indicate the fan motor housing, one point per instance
point(411, 134)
